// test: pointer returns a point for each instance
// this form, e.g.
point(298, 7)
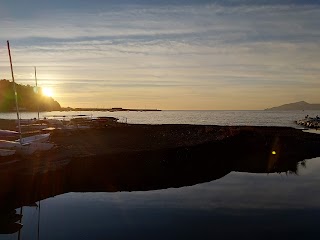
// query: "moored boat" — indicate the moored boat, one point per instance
point(8, 148)
point(35, 138)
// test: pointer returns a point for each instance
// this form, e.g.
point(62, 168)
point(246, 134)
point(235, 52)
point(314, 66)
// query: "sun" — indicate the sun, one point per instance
point(47, 92)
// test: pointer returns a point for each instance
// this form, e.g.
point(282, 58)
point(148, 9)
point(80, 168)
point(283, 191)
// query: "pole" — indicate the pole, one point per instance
point(19, 234)
point(15, 91)
point(38, 222)
point(35, 75)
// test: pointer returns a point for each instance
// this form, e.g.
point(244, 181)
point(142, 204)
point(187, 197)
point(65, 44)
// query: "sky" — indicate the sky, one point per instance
point(169, 55)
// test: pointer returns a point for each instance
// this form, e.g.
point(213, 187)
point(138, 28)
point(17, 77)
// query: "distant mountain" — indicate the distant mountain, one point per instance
point(28, 99)
point(297, 106)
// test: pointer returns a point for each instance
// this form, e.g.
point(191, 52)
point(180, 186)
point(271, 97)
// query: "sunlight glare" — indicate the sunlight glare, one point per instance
point(47, 92)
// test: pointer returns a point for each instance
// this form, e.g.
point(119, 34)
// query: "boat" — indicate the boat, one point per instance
point(27, 148)
point(27, 145)
point(35, 138)
point(8, 133)
point(24, 141)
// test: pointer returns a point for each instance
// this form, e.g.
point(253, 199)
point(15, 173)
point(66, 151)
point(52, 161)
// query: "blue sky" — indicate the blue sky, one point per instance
point(166, 54)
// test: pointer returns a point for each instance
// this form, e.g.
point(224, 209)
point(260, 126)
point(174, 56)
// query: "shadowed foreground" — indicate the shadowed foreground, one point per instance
point(148, 157)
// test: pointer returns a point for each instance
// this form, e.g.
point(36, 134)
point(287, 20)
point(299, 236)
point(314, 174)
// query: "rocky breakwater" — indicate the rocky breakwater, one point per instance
point(310, 122)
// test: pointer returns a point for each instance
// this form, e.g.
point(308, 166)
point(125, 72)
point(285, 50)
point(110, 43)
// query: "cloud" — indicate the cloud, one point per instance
point(196, 50)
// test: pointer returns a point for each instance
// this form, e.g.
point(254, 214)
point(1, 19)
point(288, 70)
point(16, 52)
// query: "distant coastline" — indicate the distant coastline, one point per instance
point(89, 109)
point(110, 109)
point(302, 105)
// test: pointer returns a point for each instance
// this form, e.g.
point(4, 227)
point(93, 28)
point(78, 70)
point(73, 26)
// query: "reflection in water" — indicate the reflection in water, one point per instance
point(253, 206)
point(10, 222)
point(225, 199)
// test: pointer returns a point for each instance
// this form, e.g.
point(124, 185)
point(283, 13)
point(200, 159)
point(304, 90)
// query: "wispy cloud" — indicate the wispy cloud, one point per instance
point(198, 51)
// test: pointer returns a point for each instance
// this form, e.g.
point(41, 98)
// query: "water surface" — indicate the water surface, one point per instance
point(246, 205)
point(253, 118)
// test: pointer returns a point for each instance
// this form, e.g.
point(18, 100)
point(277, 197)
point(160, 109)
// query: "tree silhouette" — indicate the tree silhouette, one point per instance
point(28, 99)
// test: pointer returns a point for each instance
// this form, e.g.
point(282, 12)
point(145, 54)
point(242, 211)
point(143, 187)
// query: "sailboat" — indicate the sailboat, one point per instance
point(39, 137)
point(7, 134)
point(28, 145)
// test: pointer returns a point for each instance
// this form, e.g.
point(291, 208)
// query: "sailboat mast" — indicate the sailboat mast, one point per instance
point(15, 91)
point(38, 222)
point(35, 75)
point(19, 234)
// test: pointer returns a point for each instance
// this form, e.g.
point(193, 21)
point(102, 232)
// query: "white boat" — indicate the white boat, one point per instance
point(4, 144)
point(7, 133)
point(7, 152)
point(24, 141)
point(26, 148)
point(35, 138)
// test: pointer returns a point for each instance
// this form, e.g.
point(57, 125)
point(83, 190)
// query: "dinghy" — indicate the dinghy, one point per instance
point(8, 148)
point(35, 138)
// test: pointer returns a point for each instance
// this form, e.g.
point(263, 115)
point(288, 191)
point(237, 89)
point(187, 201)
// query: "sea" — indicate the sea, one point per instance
point(227, 117)
point(239, 205)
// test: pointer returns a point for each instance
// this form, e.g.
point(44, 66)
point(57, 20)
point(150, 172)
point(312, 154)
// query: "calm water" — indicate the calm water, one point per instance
point(240, 205)
point(256, 118)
